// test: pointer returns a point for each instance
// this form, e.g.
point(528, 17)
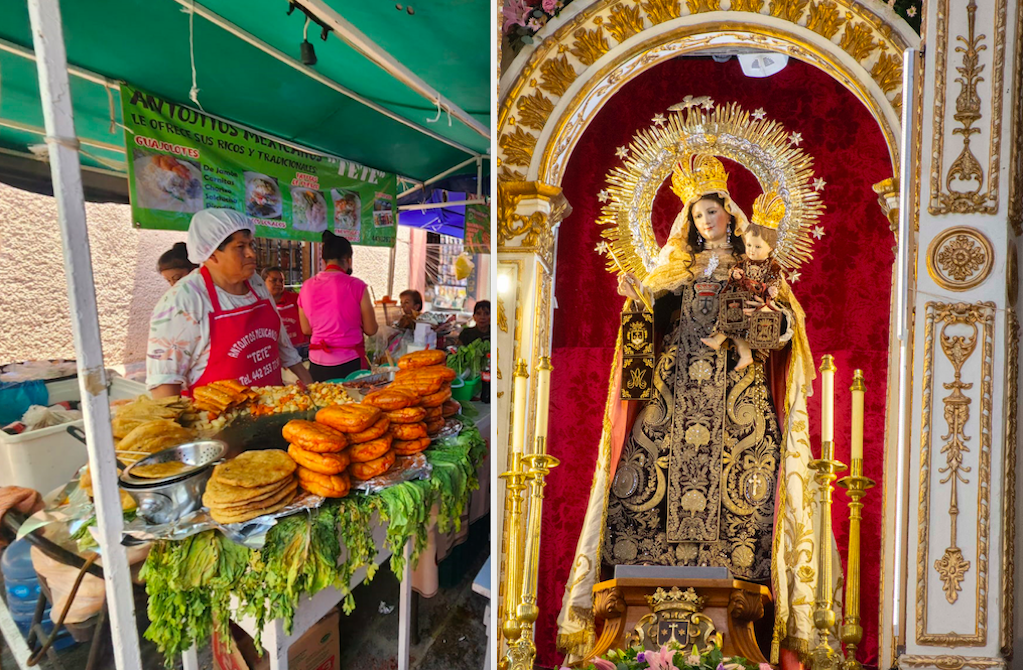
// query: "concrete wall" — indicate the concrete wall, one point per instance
point(34, 318)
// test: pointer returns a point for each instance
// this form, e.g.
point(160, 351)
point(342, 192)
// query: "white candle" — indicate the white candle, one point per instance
point(543, 396)
point(828, 398)
point(521, 375)
point(858, 389)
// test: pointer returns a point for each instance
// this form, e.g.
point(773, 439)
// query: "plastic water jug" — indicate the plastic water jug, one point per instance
point(23, 590)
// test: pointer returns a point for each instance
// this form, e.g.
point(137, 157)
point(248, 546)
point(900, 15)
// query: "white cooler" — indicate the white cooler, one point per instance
point(47, 458)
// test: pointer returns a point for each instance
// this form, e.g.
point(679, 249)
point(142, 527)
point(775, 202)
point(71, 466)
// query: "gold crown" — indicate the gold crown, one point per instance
point(676, 599)
point(768, 210)
point(706, 174)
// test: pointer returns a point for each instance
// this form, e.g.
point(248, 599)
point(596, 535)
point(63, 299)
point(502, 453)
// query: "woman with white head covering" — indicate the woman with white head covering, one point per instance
point(218, 323)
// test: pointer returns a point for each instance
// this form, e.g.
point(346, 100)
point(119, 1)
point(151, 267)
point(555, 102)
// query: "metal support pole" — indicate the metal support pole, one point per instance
point(404, 607)
point(51, 60)
point(438, 177)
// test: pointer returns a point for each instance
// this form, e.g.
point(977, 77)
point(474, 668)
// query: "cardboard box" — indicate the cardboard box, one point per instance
point(318, 649)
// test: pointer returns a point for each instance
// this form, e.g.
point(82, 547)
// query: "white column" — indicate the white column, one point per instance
point(959, 532)
point(51, 60)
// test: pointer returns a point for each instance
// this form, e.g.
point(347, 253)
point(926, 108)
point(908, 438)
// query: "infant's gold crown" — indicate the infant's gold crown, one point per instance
point(675, 599)
point(698, 174)
point(768, 210)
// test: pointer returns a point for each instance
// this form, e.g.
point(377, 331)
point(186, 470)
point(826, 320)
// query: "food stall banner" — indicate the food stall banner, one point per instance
point(477, 229)
point(181, 160)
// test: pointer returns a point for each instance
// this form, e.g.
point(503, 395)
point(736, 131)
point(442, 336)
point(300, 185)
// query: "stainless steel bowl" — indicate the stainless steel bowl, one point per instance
point(170, 498)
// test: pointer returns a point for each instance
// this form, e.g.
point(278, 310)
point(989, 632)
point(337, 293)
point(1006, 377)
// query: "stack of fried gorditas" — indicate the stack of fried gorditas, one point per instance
point(322, 458)
point(250, 485)
point(221, 396)
point(365, 427)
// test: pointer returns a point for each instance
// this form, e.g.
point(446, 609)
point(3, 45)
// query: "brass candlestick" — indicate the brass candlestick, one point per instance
point(515, 484)
point(856, 486)
point(824, 656)
point(522, 652)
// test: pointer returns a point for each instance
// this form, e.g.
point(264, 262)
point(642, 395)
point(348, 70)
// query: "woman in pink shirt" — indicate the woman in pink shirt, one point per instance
point(335, 310)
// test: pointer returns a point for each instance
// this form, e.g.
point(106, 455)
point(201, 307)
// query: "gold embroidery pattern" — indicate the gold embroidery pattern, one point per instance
point(696, 481)
point(973, 324)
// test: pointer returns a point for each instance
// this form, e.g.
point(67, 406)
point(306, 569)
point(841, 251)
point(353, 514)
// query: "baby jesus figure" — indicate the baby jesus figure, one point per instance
point(760, 277)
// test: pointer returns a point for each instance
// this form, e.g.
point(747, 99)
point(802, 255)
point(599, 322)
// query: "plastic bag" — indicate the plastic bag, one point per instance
point(39, 416)
point(16, 399)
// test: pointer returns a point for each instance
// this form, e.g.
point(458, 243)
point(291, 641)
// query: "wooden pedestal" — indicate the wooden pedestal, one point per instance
point(730, 605)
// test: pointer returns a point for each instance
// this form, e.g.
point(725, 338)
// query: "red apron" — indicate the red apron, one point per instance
point(289, 317)
point(243, 342)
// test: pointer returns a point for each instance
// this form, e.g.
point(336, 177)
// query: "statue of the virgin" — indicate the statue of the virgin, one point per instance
point(713, 468)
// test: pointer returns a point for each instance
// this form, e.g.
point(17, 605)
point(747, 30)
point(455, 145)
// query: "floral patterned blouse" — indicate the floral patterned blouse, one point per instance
point(179, 334)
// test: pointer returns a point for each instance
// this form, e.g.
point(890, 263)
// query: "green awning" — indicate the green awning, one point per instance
point(146, 43)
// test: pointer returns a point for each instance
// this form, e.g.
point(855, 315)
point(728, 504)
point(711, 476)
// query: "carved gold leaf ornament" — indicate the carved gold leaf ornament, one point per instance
point(518, 147)
point(699, 6)
point(659, 11)
point(887, 72)
point(589, 45)
point(790, 10)
point(960, 258)
point(858, 40)
point(825, 19)
point(534, 110)
point(557, 75)
point(624, 22)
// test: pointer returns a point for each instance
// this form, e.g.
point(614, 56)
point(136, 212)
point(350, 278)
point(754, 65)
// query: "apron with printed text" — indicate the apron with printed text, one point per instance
point(243, 342)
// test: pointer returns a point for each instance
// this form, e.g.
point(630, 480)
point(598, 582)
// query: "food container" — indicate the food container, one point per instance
point(463, 391)
point(169, 498)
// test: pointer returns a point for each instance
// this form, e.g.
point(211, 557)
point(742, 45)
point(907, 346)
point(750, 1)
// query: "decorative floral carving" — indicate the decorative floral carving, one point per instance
point(747, 5)
point(589, 45)
point(824, 18)
point(624, 22)
point(952, 569)
point(746, 606)
point(961, 257)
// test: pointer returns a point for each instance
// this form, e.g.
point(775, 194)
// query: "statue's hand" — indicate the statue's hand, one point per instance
point(757, 304)
point(629, 286)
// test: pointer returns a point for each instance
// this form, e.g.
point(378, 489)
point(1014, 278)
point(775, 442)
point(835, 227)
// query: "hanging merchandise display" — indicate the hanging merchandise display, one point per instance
point(477, 229)
point(181, 160)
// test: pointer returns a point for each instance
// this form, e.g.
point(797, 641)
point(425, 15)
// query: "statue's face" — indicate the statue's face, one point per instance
point(711, 220)
point(757, 248)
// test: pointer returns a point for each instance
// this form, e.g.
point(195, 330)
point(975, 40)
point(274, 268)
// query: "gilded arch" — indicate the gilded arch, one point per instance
point(550, 93)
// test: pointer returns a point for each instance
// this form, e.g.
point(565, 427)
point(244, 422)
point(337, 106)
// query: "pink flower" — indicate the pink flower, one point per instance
point(765, 666)
point(603, 664)
point(536, 24)
point(549, 6)
point(661, 660)
point(515, 12)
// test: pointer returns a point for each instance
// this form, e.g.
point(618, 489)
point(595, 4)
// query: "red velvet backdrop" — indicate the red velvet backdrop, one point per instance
point(845, 291)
